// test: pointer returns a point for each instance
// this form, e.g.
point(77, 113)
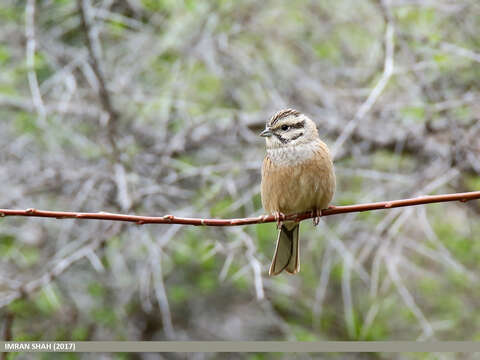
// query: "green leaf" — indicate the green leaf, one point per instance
point(415, 113)
point(178, 293)
point(7, 244)
point(48, 301)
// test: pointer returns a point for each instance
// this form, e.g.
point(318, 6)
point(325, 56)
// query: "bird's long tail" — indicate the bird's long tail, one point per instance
point(287, 251)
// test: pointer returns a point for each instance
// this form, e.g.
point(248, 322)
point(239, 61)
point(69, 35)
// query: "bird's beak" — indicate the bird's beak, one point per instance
point(266, 133)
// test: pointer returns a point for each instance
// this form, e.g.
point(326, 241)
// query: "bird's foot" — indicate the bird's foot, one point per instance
point(279, 218)
point(317, 214)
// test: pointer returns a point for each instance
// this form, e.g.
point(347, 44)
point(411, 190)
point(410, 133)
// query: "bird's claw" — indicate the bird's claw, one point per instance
point(279, 218)
point(317, 214)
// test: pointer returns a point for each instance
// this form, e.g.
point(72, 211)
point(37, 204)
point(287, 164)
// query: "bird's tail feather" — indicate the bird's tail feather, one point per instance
point(287, 252)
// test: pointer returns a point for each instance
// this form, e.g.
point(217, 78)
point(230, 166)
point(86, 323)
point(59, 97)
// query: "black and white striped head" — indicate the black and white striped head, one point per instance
point(289, 127)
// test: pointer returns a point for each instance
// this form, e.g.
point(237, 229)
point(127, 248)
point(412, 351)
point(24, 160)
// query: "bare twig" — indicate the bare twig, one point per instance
point(170, 219)
point(347, 298)
point(104, 95)
point(388, 69)
point(160, 290)
point(7, 326)
point(321, 291)
point(57, 269)
point(7, 331)
point(460, 51)
point(32, 75)
point(408, 299)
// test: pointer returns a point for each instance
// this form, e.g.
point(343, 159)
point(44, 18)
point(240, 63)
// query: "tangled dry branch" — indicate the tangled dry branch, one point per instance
point(117, 106)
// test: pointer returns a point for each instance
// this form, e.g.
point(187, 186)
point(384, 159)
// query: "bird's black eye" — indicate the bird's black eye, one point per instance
point(285, 127)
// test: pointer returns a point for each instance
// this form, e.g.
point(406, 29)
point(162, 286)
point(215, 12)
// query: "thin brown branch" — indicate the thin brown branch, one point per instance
point(170, 219)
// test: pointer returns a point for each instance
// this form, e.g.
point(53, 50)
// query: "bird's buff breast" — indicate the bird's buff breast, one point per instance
point(297, 181)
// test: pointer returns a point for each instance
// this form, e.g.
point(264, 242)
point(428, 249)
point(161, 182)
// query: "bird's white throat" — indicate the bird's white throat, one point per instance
point(292, 154)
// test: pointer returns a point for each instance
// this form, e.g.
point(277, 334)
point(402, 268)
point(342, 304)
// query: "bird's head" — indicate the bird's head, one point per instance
point(289, 128)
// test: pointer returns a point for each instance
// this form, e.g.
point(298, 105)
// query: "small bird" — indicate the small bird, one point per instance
point(297, 176)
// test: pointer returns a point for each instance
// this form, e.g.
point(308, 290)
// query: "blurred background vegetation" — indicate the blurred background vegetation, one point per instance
point(153, 107)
